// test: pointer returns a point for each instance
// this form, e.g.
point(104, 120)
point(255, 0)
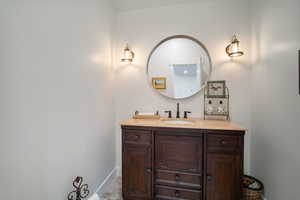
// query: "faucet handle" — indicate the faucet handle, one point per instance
point(169, 112)
point(178, 112)
point(186, 113)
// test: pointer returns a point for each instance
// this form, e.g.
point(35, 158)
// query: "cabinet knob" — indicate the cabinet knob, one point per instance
point(148, 170)
point(136, 137)
point(177, 193)
point(223, 142)
point(177, 177)
point(209, 178)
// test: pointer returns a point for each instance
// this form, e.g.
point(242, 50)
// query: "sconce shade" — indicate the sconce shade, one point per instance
point(128, 55)
point(234, 48)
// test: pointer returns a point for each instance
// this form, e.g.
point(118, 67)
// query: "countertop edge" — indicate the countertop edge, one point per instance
point(129, 124)
point(189, 128)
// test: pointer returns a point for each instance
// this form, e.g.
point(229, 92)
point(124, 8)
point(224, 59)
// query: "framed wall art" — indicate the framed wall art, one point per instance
point(159, 83)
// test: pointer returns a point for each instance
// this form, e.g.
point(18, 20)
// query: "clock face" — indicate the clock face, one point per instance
point(216, 89)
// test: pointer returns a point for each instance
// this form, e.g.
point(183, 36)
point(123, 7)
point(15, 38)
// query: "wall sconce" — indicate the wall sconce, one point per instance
point(128, 55)
point(234, 49)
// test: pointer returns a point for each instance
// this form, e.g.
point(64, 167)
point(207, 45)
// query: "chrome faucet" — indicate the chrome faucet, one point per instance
point(178, 112)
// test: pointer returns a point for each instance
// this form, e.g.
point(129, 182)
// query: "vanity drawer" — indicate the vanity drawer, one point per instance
point(137, 137)
point(178, 179)
point(167, 193)
point(223, 143)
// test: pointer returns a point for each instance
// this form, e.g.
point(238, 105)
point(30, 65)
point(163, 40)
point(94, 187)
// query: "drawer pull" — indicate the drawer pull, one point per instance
point(223, 142)
point(177, 177)
point(148, 170)
point(209, 178)
point(136, 137)
point(177, 193)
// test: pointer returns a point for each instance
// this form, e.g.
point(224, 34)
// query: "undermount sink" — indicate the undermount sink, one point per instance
point(178, 122)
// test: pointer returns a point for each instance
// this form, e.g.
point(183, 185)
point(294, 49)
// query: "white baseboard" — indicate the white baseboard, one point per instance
point(119, 171)
point(107, 181)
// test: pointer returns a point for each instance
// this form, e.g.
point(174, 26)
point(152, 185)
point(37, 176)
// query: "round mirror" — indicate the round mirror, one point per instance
point(178, 67)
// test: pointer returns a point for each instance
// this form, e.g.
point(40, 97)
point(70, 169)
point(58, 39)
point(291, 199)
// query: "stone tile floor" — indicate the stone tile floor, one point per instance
point(114, 192)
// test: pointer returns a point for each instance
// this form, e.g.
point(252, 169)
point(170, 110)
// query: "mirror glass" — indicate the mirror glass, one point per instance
point(178, 67)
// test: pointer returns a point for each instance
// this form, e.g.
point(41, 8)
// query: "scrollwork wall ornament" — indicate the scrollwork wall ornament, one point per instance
point(81, 190)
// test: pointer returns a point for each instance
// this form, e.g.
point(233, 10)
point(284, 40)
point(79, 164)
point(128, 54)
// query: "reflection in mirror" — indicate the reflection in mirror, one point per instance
point(178, 67)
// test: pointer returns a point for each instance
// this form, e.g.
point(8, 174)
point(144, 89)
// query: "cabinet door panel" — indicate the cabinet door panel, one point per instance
point(223, 181)
point(182, 153)
point(137, 172)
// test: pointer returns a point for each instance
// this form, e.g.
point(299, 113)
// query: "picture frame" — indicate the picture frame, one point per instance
point(159, 82)
point(216, 89)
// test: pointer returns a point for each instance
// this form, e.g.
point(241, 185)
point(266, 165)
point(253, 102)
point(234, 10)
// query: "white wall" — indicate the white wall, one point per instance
point(56, 96)
point(213, 23)
point(275, 143)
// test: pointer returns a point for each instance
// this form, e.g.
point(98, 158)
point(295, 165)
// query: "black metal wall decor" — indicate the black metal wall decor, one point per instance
point(216, 101)
point(81, 190)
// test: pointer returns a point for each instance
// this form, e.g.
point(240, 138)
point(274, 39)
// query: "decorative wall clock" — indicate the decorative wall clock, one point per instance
point(216, 89)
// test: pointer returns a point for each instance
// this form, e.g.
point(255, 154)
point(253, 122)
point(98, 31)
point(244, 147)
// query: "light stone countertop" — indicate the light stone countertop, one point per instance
point(197, 123)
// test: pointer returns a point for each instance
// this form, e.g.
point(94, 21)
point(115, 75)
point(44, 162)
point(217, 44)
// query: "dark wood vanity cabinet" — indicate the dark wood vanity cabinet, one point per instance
point(181, 164)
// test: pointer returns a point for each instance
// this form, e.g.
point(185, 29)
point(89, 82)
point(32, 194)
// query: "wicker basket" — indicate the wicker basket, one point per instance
point(252, 193)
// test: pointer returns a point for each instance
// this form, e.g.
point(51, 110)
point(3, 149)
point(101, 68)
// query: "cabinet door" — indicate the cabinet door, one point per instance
point(179, 153)
point(137, 171)
point(223, 181)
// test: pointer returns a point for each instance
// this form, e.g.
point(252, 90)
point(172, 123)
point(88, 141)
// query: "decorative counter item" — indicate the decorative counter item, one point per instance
point(216, 101)
point(150, 115)
point(81, 190)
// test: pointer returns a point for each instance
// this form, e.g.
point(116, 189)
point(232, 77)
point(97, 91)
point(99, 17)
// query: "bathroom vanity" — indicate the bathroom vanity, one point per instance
point(182, 159)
